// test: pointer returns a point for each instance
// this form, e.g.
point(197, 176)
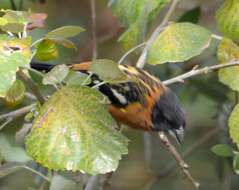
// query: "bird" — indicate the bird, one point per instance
point(145, 104)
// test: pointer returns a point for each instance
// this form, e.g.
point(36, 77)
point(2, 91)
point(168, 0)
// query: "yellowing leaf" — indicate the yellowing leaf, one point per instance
point(46, 50)
point(234, 125)
point(179, 42)
point(74, 131)
point(228, 51)
point(228, 19)
point(16, 93)
point(13, 54)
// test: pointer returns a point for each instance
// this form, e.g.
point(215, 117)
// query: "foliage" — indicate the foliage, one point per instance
point(72, 133)
point(228, 19)
point(179, 42)
point(228, 51)
point(72, 130)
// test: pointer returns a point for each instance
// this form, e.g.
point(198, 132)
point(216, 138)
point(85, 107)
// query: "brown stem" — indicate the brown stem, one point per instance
point(32, 86)
point(189, 151)
point(182, 164)
point(93, 28)
point(142, 59)
point(196, 71)
point(17, 113)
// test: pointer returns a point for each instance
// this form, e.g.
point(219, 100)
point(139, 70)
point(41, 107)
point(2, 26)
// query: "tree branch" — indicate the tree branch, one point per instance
point(17, 113)
point(9, 117)
point(189, 151)
point(196, 71)
point(93, 29)
point(182, 164)
point(32, 86)
point(142, 59)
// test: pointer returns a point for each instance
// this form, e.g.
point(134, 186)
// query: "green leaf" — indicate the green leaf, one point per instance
point(234, 125)
point(10, 151)
point(228, 19)
point(13, 27)
point(74, 131)
point(56, 75)
point(228, 51)
point(16, 93)
point(65, 32)
point(108, 70)
point(236, 163)
point(14, 21)
point(65, 43)
point(179, 42)
point(46, 50)
point(77, 78)
point(13, 54)
point(136, 16)
point(222, 150)
point(9, 168)
point(191, 16)
point(60, 182)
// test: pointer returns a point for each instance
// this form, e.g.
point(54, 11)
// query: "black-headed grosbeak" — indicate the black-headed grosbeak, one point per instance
point(146, 104)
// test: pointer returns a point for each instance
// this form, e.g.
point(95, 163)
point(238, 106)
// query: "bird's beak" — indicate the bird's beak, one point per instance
point(178, 134)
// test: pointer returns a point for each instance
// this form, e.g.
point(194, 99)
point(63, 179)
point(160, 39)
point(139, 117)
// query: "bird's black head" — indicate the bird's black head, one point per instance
point(168, 116)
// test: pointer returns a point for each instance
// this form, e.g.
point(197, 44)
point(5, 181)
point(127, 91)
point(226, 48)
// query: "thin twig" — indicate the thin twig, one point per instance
point(189, 151)
point(13, 5)
point(142, 59)
point(32, 86)
point(93, 29)
point(17, 113)
point(215, 36)
point(196, 71)
point(5, 123)
point(20, 7)
point(36, 172)
point(130, 51)
point(178, 158)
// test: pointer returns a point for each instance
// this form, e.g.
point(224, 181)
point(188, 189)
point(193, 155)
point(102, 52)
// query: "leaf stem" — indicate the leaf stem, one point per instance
point(32, 85)
point(196, 71)
point(130, 51)
point(36, 172)
point(142, 59)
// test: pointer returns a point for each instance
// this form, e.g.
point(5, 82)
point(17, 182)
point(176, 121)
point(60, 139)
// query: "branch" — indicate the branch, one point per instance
point(142, 59)
point(32, 86)
point(93, 28)
point(16, 113)
point(178, 158)
point(196, 71)
point(13, 5)
point(189, 151)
